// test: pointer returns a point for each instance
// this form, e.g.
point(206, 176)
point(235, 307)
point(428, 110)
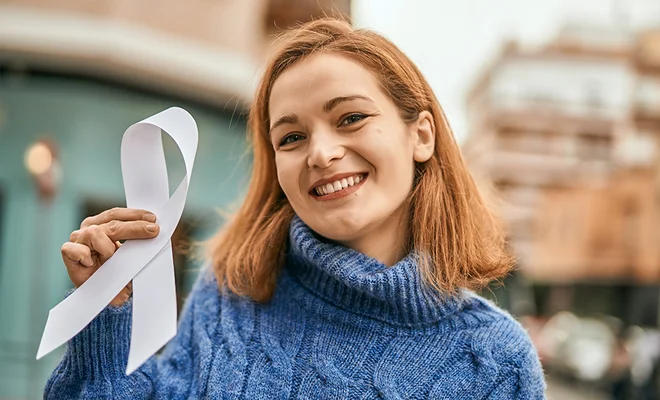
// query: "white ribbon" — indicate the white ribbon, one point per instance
point(147, 262)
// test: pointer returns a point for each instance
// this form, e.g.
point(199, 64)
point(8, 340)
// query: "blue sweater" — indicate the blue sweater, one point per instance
point(341, 325)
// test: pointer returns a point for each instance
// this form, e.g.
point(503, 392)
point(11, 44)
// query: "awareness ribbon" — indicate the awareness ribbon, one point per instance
point(148, 263)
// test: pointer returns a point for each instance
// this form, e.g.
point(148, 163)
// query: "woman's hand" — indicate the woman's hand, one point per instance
point(99, 237)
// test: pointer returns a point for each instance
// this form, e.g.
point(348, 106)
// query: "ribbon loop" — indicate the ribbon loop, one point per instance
point(148, 263)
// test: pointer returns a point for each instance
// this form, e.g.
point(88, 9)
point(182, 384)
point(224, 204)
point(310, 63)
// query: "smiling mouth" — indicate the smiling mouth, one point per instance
point(339, 188)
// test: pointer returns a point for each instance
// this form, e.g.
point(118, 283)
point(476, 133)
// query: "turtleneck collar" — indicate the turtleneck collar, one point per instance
point(356, 282)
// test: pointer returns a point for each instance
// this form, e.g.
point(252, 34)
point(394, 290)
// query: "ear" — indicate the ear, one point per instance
point(424, 136)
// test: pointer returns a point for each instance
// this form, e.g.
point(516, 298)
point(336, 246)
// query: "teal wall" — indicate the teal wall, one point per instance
point(86, 119)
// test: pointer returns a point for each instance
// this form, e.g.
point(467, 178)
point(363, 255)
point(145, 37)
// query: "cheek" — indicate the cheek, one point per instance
point(389, 146)
point(287, 174)
point(398, 173)
point(393, 161)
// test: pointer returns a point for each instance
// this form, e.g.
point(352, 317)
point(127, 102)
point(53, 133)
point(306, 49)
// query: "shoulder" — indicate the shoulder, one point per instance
point(205, 286)
point(204, 299)
point(494, 328)
point(212, 301)
point(479, 351)
point(498, 339)
point(496, 334)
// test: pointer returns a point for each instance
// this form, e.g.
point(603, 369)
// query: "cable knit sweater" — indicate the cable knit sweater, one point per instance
point(341, 325)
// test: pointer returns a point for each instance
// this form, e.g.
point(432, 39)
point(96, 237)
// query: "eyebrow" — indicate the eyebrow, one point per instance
point(327, 107)
point(285, 119)
point(332, 103)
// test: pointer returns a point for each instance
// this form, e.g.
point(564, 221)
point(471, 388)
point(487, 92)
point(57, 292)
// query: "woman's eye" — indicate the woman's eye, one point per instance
point(352, 119)
point(291, 139)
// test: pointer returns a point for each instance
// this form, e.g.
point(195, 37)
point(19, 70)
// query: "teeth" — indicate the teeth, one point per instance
point(336, 186)
point(329, 188)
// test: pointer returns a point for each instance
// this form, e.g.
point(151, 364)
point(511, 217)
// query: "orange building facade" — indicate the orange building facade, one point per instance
point(568, 135)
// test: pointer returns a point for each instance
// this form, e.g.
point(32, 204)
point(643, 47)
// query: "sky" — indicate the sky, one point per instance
point(452, 41)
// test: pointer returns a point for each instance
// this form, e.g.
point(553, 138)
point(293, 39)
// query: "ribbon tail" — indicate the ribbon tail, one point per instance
point(53, 336)
point(154, 309)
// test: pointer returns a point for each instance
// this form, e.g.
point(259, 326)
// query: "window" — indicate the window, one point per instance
point(594, 147)
point(648, 94)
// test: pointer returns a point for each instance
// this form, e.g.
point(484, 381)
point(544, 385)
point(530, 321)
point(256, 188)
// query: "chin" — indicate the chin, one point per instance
point(337, 228)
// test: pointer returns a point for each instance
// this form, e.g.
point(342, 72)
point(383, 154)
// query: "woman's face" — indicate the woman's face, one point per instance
point(345, 158)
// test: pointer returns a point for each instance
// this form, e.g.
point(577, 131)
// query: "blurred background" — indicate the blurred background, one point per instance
point(555, 103)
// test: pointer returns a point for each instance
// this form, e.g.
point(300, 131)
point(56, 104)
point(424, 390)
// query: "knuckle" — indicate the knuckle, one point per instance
point(86, 222)
point(92, 230)
point(74, 235)
point(113, 213)
point(113, 227)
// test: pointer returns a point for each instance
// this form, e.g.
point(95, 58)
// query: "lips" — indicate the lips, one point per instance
point(337, 185)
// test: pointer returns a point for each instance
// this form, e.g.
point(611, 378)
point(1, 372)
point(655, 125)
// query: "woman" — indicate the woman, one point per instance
point(347, 272)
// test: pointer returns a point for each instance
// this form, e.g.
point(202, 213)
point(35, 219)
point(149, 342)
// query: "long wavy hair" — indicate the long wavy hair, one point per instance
point(463, 240)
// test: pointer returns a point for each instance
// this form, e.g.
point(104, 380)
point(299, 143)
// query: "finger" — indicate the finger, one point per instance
point(95, 237)
point(74, 236)
point(75, 254)
point(119, 214)
point(119, 230)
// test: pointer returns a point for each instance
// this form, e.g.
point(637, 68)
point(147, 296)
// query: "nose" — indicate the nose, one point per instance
point(324, 148)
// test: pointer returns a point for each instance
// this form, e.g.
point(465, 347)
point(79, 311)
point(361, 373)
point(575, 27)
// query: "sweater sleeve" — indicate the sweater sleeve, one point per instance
point(94, 364)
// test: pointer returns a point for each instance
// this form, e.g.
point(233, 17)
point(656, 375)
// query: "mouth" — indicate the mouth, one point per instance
point(338, 186)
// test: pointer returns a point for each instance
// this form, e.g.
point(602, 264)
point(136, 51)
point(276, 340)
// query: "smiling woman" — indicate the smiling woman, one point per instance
point(348, 270)
point(337, 101)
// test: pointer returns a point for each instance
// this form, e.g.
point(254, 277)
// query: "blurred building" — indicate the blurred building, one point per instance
point(73, 76)
point(568, 135)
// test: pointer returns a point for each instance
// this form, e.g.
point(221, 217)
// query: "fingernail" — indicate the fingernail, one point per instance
point(149, 217)
point(152, 227)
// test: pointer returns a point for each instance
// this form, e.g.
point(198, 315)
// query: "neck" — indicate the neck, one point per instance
point(385, 242)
